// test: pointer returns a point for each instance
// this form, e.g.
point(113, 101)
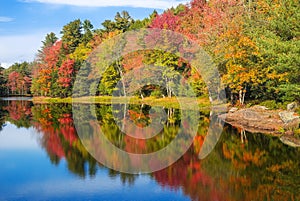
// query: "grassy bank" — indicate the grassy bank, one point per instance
point(173, 102)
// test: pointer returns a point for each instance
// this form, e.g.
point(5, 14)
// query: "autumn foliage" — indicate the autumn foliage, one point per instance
point(254, 44)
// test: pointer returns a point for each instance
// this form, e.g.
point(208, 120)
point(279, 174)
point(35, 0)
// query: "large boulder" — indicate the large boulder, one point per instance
point(287, 116)
point(292, 106)
point(233, 109)
point(255, 119)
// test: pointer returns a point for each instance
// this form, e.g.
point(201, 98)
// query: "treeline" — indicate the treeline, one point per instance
point(16, 80)
point(255, 45)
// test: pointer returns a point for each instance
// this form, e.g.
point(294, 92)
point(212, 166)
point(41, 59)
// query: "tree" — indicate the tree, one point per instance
point(23, 68)
point(72, 35)
point(3, 114)
point(167, 20)
point(65, 77)
point(244, 67)
point(87, 28)
point(255, 45)
point(109, 79)
point(273, 27)
point(14, 82)
point(81, 53)
point(3, 80)
point(108, 25)
point(170, 72)
point(45, 74)
point(145, 23)
point(123, 21)
point(50, 39)
point(18, 79)
point(19, 113)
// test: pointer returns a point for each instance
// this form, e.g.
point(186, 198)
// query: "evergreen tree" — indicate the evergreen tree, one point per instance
point(72, 35)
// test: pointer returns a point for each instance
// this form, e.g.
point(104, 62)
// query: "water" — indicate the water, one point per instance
point(42, 158)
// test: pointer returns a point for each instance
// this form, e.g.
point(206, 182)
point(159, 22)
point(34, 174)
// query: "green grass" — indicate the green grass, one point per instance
point(187, 103)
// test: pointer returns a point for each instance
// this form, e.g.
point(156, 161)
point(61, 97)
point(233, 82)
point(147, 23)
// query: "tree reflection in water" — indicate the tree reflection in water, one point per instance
point(260, 168)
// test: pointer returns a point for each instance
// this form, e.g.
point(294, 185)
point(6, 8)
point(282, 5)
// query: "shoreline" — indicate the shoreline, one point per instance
point(203, 102)
point(256, 119)
point(259, 119)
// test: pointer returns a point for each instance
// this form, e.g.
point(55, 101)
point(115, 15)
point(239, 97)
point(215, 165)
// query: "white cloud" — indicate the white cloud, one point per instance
point(6, 19)
point(19, 48)
point(159, 4)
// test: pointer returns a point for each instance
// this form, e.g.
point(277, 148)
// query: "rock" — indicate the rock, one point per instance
point(290, 141)
point(294, 124)
point(287, 117)
point(292, 106)
point(289, 132)
point(259, 107)
point(254, 120)
point(261, 120)
point(251, 115)
point(233, 109)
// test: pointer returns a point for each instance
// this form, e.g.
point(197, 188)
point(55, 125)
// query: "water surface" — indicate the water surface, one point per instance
point(42, 158)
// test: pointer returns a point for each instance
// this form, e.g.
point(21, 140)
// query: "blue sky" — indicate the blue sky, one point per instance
point(24, 23)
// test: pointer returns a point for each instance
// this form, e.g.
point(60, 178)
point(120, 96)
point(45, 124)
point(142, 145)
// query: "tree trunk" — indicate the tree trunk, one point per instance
point(231, 98)
point(122, 78)
point(242, 94)
point(167, 87)
point(243, 136)
point(141, 111)
point(124, 117)
point(141, 93)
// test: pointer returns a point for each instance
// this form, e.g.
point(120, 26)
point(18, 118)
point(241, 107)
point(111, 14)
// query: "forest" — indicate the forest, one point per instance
point(254, 44)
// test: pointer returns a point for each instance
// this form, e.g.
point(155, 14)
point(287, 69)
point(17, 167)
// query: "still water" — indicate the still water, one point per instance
point(42, 158)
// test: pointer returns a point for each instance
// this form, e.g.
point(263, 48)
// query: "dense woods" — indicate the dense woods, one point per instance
point(255, 45)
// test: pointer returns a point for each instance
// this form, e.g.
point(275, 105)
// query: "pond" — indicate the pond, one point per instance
point(43, 158)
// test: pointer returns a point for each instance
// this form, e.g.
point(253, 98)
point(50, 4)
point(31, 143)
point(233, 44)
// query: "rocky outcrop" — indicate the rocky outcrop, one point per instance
point(261, 120)
point(292, 106)
point(288, 117)
point(290, 141)
point(233, 109)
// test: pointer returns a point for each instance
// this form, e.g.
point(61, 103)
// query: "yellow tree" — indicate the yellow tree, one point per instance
point(244, 65)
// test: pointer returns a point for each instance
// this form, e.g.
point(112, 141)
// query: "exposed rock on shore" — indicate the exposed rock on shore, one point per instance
point(259, 119)
point(290, 141)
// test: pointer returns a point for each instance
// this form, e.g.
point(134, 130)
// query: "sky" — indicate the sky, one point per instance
point(25, 23)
